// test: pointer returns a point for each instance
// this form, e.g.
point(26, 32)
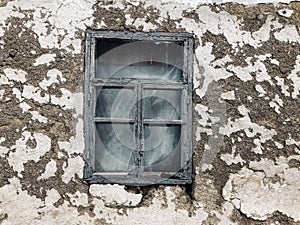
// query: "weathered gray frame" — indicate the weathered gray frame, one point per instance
point(182, 177)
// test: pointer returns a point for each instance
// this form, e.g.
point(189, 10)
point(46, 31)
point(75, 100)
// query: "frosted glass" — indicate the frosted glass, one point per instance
point(162, 148)
point(115, 147)
point(115, 102)
point(139, 59)
point(162, 104)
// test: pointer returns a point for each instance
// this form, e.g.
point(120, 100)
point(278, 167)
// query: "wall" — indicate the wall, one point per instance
point(246, 114)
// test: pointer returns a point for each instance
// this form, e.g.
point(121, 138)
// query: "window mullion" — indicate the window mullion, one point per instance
point(138, 128)
point(140, 139)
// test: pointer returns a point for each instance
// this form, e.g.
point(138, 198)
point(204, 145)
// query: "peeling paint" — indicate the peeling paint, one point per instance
point(245, 101)
point(15, 75)
point(22, 153)
point(44, 59)
point(248, 191)
point(50, 170)
point(115, 195)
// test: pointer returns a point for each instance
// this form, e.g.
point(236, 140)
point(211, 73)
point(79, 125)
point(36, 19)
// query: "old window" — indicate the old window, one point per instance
point(138, 117)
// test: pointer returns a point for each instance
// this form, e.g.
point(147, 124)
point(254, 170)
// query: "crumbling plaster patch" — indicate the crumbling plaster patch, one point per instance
point(44, 59)
point(52, 13)
point(50, 170)
point(21, 152)
point(294, 77)
point(253, 192)
point(115, 195)
point(16, 75)
point(245, 65)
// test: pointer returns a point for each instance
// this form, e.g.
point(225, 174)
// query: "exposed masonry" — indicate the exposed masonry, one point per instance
point(246, 118)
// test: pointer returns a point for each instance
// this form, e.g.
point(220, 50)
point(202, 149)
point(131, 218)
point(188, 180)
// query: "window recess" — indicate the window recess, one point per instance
point(138, 107)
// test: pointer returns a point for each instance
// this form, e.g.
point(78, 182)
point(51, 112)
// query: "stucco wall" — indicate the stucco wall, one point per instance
point(246, 114)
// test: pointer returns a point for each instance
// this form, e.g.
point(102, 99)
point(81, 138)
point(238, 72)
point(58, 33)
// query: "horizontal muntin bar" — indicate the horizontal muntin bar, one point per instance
point(112, 174)
point(162, 122)
point(132, 81)
point(112, 120)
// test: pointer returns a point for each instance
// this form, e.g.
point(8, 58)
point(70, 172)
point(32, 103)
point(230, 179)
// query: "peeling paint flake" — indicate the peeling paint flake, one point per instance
point(3, 150)
point(115, 194)
point(44, 59)
point(240, 72)
point(250, 193)
point(69, 100)
point(52, 197)
point(25, 107)
point(284, 88)
point(228, 95)
point(260, 90)
point(232, 158)
point(295, 78)
point(288, 34)
point(276, 103)
point(15, 75)
point(251, 129)
point(50, 170)
point(18, 94)
point(75, 144)
point(285, 12)
point(2, 94)
point(4, 80)
point(78, 199)
point(54, 77)
point(202, 110)
point(31, 92)
point(37, 116)
point(22, 153)
point(205, 58)
point(22, 213)
point(72, 168)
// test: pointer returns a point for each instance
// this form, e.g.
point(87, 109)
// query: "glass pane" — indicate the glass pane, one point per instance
point(115, 102)
point(162, 148)
point(162, 104)
point(115, 147)
point(116, 58)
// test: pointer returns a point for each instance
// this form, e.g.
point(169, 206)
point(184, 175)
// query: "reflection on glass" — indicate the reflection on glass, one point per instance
point(139, 59)
point(115, 147)
point(162, 104)
point(148, 70)
point(115, 102)
point(162, 148)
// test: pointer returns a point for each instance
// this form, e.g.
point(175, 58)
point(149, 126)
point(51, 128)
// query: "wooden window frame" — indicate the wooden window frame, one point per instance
point(184, 176)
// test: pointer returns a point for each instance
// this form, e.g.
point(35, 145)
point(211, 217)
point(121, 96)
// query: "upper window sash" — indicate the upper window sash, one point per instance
point(169, 63)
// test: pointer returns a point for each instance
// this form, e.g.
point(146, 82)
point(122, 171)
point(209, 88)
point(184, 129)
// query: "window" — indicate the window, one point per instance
point(138, 107)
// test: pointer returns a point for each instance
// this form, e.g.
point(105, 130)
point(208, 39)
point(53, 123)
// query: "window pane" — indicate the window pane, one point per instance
point(115, 147)
point(162, 148)
point(115, 102)
point(139, 59)
point(162, 104)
